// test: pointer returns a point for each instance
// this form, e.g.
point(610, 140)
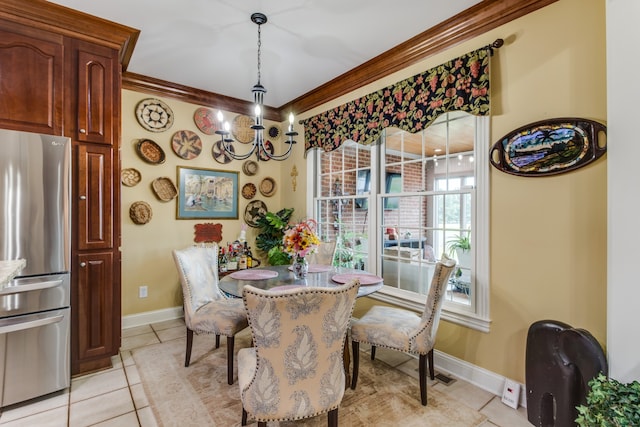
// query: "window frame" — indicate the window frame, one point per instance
point(478, 318)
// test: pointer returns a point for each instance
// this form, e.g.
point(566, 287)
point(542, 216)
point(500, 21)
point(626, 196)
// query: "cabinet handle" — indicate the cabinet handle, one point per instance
point(83, 197)
point(83, 131)
point(83, 264)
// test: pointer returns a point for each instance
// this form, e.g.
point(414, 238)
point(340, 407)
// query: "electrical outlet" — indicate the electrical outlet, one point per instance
point(511, 393)
point(142, 292)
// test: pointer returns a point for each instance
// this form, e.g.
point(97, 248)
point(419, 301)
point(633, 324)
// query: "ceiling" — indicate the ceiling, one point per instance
point(211, 45)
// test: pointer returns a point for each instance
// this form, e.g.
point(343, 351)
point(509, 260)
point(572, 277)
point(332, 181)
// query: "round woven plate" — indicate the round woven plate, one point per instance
point(268, 187)
point(273, 132)
point(241, 129)
point(250, 167)
point(268, 147)
point(130, 177)
point(248, 191)
point(154, 115)
point(219, 154)
point(186, 144)
point(164, 189)
point(254, 211)
point(205, 121)
point(150, 152)
point(140, 212)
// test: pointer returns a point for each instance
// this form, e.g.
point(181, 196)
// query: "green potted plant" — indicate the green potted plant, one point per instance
point(269, 240)
point(460, 246)
point(610, 404)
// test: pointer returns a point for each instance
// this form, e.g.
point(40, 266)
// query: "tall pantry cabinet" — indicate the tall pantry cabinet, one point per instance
point(61, 75)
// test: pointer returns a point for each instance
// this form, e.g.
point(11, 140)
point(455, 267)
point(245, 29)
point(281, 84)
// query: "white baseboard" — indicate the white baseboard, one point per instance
point(148, 317)
point(480, 377)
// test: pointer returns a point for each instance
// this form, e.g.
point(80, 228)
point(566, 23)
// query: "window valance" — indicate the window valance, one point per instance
point(461, 84)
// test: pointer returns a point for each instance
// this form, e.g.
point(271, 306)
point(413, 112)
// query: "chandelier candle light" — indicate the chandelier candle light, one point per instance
point(264, 150)
point(299, 241)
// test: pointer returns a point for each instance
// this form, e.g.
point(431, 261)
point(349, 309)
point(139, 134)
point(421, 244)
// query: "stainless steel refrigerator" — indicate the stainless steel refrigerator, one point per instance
point(35, 224)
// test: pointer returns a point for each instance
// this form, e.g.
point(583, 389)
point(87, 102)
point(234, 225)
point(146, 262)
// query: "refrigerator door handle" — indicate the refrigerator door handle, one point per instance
point(30, 287)
point(30, 324)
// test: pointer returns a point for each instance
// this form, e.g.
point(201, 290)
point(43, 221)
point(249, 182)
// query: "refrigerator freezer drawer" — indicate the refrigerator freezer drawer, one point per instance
point(24, 295)
point(34, 355)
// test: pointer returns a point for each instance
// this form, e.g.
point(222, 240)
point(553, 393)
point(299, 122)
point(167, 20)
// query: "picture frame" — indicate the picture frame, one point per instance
point(207, 194)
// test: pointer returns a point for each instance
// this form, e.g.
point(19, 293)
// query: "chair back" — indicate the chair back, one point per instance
point(325, 254)
point(299, 341)
point(426, 335)
point(198, 271)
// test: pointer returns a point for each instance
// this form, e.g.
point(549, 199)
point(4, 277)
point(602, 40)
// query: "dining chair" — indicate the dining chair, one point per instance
point(295, 370)
point(325, 254)
point(404, 330)
point(206, 309)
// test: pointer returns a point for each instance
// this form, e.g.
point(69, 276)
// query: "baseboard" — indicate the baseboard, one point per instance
point(148, 317)
point(480, 377)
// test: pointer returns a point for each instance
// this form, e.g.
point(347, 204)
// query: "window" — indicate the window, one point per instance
point(422, 191)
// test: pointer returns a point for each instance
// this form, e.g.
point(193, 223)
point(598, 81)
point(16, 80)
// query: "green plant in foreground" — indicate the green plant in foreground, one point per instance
point(610, 404)
point(272, 226)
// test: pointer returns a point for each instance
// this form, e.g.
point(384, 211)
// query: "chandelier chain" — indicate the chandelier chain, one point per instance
point(259, 49)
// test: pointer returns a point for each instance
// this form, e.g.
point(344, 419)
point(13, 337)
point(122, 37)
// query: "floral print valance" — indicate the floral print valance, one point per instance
point(461, 84)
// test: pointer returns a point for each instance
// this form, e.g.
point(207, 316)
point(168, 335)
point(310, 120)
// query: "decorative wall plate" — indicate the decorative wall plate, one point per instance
point(208, 232)
point(268, 187)
point(130, 177)
point(273, 132)
point(205, 121)
point(140, 212)
point(164, 189)
point(254, 211)
point(154, 115)
point(150, 152)
point(219, 154)
point(186, 144)
point(550, 147)
point(261, 154)
point(250, 167)
point(248, 191)
point(241, 129)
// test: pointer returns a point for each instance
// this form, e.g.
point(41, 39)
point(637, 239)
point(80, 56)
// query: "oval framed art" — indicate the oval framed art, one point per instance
point(549, 147)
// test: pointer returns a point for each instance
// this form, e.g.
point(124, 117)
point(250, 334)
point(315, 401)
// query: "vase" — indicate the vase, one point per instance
point(300, 267)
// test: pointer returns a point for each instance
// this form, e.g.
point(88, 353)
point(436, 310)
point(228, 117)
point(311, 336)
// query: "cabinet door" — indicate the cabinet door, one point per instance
point(94, 197)
point(92, 307)
point(31, 100)
point(96, 68)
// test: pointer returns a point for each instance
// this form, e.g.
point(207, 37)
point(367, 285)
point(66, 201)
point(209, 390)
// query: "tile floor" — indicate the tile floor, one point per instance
point(116, 398)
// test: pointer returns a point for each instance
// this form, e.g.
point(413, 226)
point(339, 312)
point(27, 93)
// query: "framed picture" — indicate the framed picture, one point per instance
point(207, 194)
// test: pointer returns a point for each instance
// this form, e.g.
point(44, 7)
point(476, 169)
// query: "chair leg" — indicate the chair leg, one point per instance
point(217, 341)
point(373, 352)
point(422, 374)
point(432, 373)
point(187, 358)
point(355, 346)
point(333, 418)
point(262, 424)
point(230, 343)
point(244, 417)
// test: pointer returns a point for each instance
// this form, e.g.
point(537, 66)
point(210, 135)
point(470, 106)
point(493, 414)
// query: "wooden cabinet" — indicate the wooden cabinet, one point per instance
point(33, 100)
point(60, 74)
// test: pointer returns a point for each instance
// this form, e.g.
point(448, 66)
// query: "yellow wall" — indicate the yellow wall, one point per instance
point(146, 249)
point(548, 235)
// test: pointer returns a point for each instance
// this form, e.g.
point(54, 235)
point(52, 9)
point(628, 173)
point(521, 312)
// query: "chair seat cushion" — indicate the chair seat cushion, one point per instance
point(386, 327)
point(221, 317)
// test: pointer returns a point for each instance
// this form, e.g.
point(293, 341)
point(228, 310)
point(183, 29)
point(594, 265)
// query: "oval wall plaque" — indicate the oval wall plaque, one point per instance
point(550, 147)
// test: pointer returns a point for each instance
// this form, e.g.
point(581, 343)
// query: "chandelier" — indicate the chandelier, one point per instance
point(264, 149)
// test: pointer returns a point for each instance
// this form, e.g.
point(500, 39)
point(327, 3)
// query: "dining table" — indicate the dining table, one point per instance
point(319, 275)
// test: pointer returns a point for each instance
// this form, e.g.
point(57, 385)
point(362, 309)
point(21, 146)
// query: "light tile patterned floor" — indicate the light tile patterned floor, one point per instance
point(116, 398)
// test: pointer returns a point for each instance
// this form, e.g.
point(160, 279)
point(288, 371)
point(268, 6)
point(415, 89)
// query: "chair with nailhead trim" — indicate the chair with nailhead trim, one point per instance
point(404, 330)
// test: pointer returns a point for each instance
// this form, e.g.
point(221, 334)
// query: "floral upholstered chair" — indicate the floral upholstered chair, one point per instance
point(296, 368)
point(405, 330)
point(325, 254)
point(206, 309)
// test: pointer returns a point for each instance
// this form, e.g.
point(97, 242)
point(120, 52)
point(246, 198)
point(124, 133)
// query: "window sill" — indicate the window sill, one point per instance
point(411, 301)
